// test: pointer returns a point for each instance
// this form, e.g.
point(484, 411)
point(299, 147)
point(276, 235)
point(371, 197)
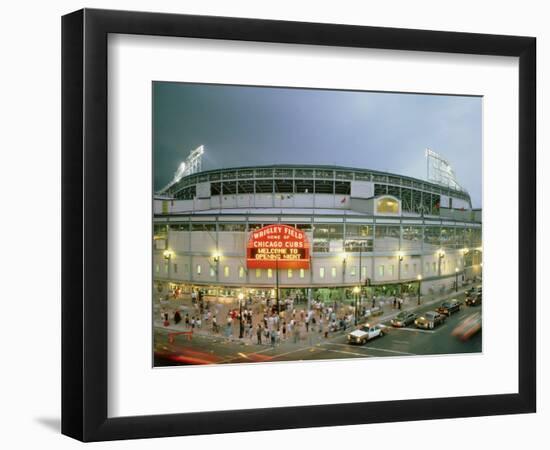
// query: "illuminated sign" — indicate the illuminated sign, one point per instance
point(277, 247)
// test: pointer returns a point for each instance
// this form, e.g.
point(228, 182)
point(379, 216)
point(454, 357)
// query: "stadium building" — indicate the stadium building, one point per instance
point(315, 231)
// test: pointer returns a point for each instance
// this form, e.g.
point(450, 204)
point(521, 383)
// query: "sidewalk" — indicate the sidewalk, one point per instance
point(311, 337)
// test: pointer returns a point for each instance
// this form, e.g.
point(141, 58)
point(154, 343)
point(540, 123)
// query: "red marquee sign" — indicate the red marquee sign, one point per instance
point(277, 247)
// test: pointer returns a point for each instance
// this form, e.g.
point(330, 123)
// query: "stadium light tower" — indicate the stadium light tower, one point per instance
point(192, 164)
point(439, 171)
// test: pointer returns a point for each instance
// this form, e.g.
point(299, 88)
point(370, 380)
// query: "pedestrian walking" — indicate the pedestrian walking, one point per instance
point(164, 317)
point(214, 324)
point(228, 329)
point(177, 317)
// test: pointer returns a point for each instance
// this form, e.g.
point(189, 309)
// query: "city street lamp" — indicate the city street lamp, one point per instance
point(441, 255)
point(356, 291)
point(241, 327)
point(419, 278)
point(344, 261)
point(216, 257)
point(465, 251)
point(456, 279)
point(360, 261)
point(168, 256)
point(400, 260)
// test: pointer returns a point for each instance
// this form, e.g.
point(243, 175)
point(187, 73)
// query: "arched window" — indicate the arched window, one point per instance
point(387, 205)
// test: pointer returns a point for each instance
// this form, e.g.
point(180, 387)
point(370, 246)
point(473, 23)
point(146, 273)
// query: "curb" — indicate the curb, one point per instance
point(380, 319)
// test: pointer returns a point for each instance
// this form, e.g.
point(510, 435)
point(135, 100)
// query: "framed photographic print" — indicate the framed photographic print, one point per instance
point(319, 215)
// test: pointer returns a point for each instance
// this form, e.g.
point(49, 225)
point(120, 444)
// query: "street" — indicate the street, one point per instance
point(400, 342)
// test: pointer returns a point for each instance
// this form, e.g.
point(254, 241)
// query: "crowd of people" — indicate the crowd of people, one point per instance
point(263, 322)
point(266, 322)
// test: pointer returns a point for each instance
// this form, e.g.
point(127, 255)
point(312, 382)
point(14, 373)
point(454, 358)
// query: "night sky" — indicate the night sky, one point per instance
point(247, 126)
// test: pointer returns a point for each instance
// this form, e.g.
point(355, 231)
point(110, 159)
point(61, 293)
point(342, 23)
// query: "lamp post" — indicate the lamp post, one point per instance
point(419, 278)
point(360, 261)
point(356, 291)
point(465, 251)
point(344, 262)
point(216, 258)
point(241, 327)
point(168, 257)
point(361, 267)
point(441, 255)
point(456, 279)
point(400, 260)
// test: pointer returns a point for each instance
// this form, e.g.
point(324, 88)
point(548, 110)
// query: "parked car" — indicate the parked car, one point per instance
point(373, 312)
point(473, 290)
point(474, 300)
point(365, 333)
point(429, 320)
point(468, 327)
point(403, 319)
point(448, 307)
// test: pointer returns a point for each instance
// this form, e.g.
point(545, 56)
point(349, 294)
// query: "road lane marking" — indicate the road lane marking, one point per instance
point(362, 355)
point(366, 348)
point(290, 352)
point(401, 342)
point(337, 343)
point(390, 351)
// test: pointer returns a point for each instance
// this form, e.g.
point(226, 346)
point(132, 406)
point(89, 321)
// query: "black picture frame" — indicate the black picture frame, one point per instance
point(84, 224)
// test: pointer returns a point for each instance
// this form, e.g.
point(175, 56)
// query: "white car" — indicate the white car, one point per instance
point(365, 333)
